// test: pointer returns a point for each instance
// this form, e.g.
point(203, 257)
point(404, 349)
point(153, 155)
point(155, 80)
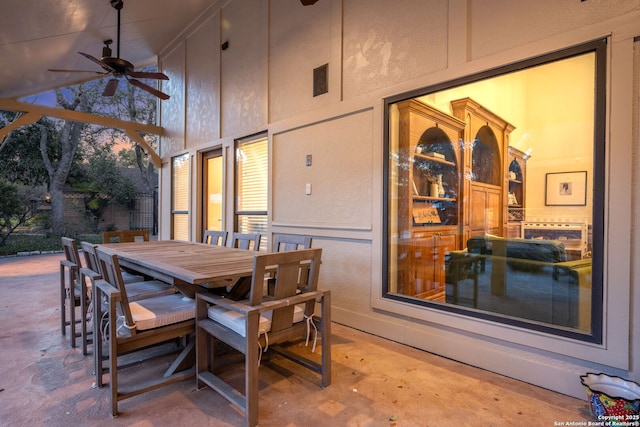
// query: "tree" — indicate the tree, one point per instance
point(9, 209)
point(104, 184)
point(17, 205)
point(69, 137)
point(139, 106)
point(63, 146)
point(127, 158)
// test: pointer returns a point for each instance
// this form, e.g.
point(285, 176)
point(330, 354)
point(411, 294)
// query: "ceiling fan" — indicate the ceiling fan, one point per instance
point(119, 67)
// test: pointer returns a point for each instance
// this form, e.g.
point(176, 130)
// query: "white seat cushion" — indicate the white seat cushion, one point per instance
point(161, 311)
point(235, 320)
point(126, 277)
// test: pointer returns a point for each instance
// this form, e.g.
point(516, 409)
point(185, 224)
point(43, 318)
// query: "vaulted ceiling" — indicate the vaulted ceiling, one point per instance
point(36, 35)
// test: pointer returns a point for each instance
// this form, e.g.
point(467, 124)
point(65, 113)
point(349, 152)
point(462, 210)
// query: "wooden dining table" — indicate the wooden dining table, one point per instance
point(185, 265)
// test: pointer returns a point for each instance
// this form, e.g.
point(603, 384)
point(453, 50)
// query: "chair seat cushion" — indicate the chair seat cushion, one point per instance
point(149, 289)
point(235, 320)
point(126, 277)
point(161, 311)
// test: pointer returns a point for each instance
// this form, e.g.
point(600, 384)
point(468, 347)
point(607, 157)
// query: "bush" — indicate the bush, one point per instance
point(29, 243)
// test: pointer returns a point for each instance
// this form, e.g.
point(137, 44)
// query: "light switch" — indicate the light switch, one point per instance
point(308, 189)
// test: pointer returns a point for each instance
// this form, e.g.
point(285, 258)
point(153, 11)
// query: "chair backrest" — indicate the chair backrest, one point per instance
point(290, 242)
point(215, 237)
point(90, 258)
point(125, 236)
point(244, 241)
point(70, 248)
point(289, 267)
point(112, 274)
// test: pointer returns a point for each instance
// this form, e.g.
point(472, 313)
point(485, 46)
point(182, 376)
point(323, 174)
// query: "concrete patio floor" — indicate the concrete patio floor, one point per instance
point(376, 382)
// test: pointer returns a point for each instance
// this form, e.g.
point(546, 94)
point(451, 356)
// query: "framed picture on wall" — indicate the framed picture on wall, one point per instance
point(566, 189)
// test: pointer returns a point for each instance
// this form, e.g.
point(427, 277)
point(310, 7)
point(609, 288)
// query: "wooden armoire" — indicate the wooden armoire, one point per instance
point(451, 185)
point(486, 139)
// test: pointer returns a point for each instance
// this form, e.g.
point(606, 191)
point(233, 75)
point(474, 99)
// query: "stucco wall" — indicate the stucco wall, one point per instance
point(375, 49)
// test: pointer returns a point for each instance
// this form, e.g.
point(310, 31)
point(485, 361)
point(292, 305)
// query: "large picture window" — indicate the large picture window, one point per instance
point(494, 194)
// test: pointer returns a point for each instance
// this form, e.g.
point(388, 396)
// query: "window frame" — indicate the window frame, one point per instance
point(595, 336)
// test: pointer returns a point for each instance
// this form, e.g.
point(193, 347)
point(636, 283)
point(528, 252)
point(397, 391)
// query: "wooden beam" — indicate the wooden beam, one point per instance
point(155, 159)
point(24, 120)
point(33, 112)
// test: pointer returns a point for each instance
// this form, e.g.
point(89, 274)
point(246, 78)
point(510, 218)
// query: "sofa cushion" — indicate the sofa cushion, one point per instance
point(536, 250)
point(515, 249)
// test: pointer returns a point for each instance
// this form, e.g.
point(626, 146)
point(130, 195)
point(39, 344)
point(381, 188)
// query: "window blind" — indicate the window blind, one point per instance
point(180, 197)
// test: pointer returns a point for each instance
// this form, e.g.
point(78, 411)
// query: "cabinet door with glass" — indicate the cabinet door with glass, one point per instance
point(429, 196)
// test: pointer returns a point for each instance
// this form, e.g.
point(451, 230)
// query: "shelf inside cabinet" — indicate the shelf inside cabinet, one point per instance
point(433, 199)
point(434, 159)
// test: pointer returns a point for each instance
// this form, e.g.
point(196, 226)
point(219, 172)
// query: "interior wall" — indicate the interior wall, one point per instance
point(378, 49)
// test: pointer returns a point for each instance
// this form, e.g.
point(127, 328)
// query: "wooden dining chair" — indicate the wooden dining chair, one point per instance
point(125, 236)
point(260, 322)
point(246, 241)
point(70, 287)
point(249, 241)
point(290, 242)
point(287, 242)
point(139, 325)
point(137, 287)
point(215, 237)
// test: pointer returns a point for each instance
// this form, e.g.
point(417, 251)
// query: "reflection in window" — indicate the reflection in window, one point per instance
point(479, 220)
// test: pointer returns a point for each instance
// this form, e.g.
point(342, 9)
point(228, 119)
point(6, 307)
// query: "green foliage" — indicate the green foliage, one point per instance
point(10, 205)
point(106, 180)
point(17, 206)
point(56, 153)
point(127, 158)
point(44, 243)
point(40, 219)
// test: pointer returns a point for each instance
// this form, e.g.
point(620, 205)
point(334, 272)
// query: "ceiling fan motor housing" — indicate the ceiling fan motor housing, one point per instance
point(106, 50)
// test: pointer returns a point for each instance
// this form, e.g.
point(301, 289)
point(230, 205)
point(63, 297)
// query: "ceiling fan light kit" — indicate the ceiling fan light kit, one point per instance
point(119, 67)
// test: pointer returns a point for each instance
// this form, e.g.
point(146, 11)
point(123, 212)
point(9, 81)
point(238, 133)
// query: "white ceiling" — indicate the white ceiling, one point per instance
point(36, 35)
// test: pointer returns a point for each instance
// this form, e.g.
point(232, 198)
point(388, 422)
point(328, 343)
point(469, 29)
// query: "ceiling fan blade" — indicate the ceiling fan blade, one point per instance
point(97, 61)
point(110, 88)
point(148, 88)
point(57, 70)
point(148, 75)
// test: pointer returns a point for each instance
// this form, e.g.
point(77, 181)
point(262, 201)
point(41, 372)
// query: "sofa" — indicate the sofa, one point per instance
point(525, 255)
point(519, 253)
point(539, 263)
